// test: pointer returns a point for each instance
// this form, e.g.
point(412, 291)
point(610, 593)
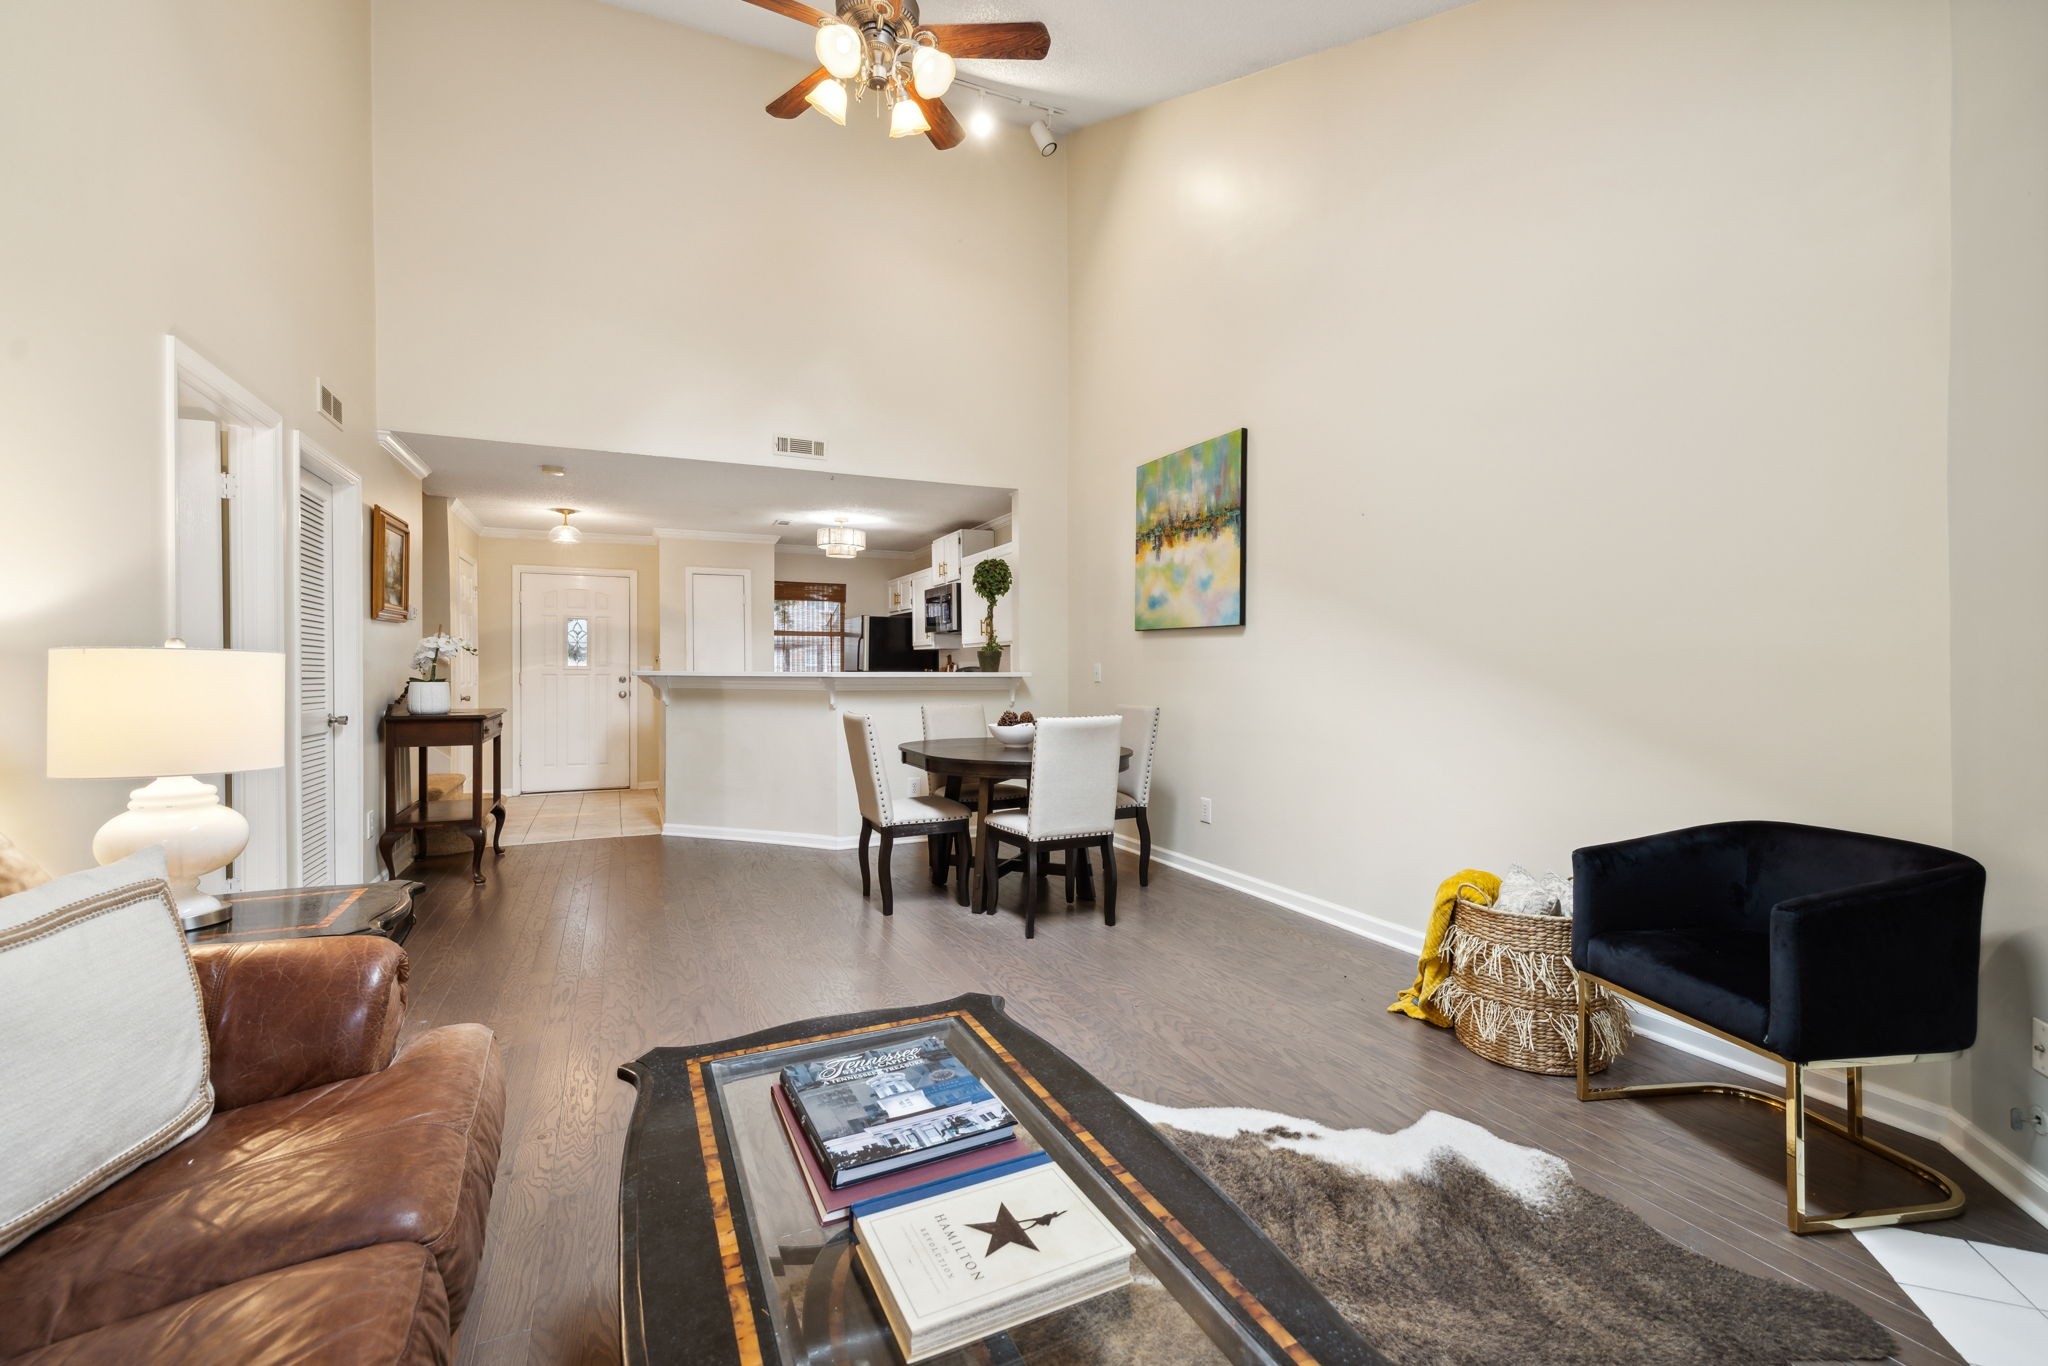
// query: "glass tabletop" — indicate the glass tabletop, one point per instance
point(824, 1312)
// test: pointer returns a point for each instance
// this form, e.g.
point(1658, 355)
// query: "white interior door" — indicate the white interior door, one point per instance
point(719, 637)
point(319, 749)
point(574, 690)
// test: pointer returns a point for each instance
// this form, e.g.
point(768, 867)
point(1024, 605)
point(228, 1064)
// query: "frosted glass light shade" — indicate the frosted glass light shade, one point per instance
point(840, 48)
point(906, 120)
point(829, 99)
point(164, 713)
point(841, 542)
point(932, 71)
point(565, 535)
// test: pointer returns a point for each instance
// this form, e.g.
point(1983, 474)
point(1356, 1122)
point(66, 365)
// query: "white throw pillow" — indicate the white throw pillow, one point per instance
point(103, 1061)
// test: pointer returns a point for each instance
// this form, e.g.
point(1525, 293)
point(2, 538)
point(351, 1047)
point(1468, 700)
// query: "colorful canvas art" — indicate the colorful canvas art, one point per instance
point(1190, 548)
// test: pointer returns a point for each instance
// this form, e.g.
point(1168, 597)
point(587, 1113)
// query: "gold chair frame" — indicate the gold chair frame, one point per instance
point(1793, 1104)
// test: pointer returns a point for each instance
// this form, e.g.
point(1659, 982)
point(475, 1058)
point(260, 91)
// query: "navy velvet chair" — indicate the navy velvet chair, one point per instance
point(1816, 948)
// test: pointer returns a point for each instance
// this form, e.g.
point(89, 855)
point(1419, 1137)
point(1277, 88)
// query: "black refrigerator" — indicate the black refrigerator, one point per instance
point(882, 644)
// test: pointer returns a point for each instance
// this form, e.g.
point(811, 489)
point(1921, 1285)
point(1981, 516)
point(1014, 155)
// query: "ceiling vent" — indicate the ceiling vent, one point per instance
point(800, 445)
point(330, 406)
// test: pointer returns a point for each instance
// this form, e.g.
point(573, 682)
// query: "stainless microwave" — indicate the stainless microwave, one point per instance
point(942, 609)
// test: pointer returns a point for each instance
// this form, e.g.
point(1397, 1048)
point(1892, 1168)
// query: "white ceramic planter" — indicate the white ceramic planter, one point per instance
point(426, 699)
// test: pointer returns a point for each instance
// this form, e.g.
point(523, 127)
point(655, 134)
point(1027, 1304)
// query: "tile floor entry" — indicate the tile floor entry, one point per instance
point(1990, 1302)
point(544, 817)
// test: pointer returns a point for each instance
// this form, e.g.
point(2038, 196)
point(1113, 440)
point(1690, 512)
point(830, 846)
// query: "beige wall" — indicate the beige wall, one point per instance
point(200, 169)
point(692, 248)
point(866, 577)
point(1998, 488)
point(1596, 379)
point(496, 606)
point(680, 554)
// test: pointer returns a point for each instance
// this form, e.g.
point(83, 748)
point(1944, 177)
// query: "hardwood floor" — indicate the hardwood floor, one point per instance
point(584, 954)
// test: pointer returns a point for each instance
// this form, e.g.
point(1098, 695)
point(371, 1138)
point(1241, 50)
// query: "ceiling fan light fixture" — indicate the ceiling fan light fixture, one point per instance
point(840, 48)
point(906, 120)
point(932, 72)
point(565, 534)
point(829, 99)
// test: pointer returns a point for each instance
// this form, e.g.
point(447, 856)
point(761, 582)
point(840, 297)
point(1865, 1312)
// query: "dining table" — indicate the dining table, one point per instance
point(986, 761)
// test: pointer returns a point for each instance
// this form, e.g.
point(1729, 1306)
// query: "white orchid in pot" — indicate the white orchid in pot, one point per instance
point(426, 692)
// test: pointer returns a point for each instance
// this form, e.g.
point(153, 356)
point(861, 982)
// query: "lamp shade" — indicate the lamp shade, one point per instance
point(164, 713)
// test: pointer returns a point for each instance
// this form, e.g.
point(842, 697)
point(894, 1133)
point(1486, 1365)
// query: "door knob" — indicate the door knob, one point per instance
point(625, 694)
point(622, 678)
point(337, 720)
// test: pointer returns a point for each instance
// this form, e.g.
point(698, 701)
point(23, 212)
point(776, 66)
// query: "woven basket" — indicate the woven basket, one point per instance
point(1513, 995)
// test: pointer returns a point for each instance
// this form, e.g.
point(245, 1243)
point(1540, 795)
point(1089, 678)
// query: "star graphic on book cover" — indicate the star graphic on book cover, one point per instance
point(1006, 1229)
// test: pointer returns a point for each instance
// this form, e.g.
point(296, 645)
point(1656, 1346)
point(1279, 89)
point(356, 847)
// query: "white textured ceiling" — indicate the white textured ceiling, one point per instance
point(1108, 57)
point(635, 495)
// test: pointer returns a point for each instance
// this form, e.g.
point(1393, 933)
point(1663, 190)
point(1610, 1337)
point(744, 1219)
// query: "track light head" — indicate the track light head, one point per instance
point(1041, 133)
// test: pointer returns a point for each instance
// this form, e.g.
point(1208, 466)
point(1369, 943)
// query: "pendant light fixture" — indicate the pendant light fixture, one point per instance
point(840, 541)
point(565, 534)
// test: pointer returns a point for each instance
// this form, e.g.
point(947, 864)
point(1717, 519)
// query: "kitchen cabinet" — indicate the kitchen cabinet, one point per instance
point(920, 639)
point(951, 550)
point(972, 606)
point(901, 599)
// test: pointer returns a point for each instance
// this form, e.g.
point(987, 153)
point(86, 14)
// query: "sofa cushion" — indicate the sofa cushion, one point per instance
point(406, 1154)
point(105, 1062)
point(381, 1304)
point(1719, 977)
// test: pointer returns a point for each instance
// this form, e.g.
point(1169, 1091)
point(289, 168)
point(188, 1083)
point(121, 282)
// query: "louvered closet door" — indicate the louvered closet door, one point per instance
point(317, 731)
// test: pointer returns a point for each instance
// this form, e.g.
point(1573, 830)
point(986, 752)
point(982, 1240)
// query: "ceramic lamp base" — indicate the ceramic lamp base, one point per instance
point(198, 835)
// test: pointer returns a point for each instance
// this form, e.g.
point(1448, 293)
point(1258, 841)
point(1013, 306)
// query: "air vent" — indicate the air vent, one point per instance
point(800, 445)
point(330, 406)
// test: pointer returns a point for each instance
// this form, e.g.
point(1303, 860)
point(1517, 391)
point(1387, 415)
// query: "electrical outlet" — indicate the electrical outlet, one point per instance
point(2035, 1119)
point(2041, 1047)
point(1098, 673)
point(1208, 812)
point(370, 822)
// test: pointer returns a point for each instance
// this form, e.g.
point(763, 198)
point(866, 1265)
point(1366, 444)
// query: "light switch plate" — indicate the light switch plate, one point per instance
point(2041, 1047)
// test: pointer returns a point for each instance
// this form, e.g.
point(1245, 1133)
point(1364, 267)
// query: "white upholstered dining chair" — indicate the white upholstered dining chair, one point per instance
point(896, 815)
point(1073, 807)
point(1134, 785)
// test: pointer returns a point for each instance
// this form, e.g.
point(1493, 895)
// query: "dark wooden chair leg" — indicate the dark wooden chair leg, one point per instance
point(960, 866)
point(888, 887)
point(1069, 879)
point(867, 832)
point(1109, 881)
point(1144, 849)
point(1030, 891)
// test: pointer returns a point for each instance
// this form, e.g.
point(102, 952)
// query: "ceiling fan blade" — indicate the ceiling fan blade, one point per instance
point(793, 9)
point(790, 102)
point(1000, 42)
point(945, 132)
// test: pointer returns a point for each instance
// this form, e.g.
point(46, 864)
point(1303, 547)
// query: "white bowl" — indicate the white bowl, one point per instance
point(1016, 737)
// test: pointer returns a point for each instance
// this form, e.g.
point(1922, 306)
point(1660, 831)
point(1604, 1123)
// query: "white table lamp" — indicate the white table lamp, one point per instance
point(167, 714)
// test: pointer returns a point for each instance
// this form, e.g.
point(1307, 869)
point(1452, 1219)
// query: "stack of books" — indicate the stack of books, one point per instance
point(960, 1235)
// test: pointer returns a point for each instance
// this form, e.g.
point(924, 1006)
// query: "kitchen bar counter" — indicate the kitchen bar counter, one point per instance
point(761, 757)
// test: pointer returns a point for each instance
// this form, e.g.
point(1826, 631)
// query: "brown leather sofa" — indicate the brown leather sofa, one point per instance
point(332, 1210)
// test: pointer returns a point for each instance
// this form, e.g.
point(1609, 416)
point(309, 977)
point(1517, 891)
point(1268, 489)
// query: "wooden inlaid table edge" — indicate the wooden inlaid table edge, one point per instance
point(379, 908)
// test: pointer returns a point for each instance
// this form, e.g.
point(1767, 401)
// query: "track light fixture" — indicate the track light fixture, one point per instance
point(1041, 133)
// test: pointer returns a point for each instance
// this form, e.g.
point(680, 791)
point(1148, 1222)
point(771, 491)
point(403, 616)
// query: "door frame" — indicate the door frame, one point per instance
point(514, 731)
point(349, 601)
point(690, 575)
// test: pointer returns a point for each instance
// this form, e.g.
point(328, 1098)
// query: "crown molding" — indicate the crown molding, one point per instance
point(399, 451)
point(739, 537)
point(504, 533)
point(865, 554)
point(465, 516)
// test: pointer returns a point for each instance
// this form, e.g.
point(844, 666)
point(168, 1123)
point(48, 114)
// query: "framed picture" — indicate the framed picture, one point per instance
point(390, 567)
point(1190, 546)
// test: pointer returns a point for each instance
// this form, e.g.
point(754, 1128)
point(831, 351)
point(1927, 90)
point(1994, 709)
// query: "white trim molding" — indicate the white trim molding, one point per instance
point(673, 686)
point(506, 533)
point(738, 537)
point(465, 516)
point(402, 453)
point(794, 839)
point(801, 549)
point(2024, 1185)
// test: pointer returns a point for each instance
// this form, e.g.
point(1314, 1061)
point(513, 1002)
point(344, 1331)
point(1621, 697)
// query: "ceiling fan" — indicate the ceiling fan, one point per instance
point(880, 45)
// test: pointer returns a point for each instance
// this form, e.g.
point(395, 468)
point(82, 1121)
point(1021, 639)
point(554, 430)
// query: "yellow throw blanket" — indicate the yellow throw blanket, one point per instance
point(1431, 971)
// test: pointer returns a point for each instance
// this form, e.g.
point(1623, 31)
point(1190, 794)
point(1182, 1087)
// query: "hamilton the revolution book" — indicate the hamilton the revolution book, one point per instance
point(896, 1106)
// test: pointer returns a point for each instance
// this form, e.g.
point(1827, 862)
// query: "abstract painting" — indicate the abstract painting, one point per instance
point(1190, 547)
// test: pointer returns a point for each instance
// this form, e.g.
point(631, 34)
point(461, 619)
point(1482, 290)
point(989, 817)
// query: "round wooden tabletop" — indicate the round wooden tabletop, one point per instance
point(977, 758)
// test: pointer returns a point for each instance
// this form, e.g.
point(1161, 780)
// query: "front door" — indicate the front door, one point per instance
point(573, 696)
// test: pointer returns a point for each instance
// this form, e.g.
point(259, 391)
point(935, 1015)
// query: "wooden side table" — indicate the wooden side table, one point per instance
point(455, 729)
point(380, 908)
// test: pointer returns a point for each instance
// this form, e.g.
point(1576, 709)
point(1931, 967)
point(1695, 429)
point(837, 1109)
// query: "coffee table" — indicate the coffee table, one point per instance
point(723, 1260)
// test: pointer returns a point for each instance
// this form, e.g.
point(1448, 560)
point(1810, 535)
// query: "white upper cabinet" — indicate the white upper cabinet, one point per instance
point(900, 596)
point(971, 605)
point(953, 548)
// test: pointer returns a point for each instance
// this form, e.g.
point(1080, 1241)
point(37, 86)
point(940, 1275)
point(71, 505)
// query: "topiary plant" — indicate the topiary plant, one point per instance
point(991, 581)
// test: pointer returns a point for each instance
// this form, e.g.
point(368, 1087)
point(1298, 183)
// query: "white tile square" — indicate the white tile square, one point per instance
point(1982, 1333)
point(2028, 1271)
point(1932, 1262)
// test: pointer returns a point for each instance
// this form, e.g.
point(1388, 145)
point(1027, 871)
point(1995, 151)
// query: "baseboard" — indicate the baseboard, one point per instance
point(795, 839)
point(2020, 1183)
point(651, 785)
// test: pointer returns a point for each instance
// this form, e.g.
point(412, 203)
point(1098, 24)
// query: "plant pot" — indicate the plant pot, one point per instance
point(426, 699)
point(991, 658)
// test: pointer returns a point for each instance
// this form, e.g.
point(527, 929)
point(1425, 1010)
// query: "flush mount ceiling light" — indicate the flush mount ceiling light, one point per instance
point(880, 46)
point(840, 541)
point(564, 534)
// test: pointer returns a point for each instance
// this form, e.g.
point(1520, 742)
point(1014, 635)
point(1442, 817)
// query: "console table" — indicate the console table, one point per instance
point(456, 730)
